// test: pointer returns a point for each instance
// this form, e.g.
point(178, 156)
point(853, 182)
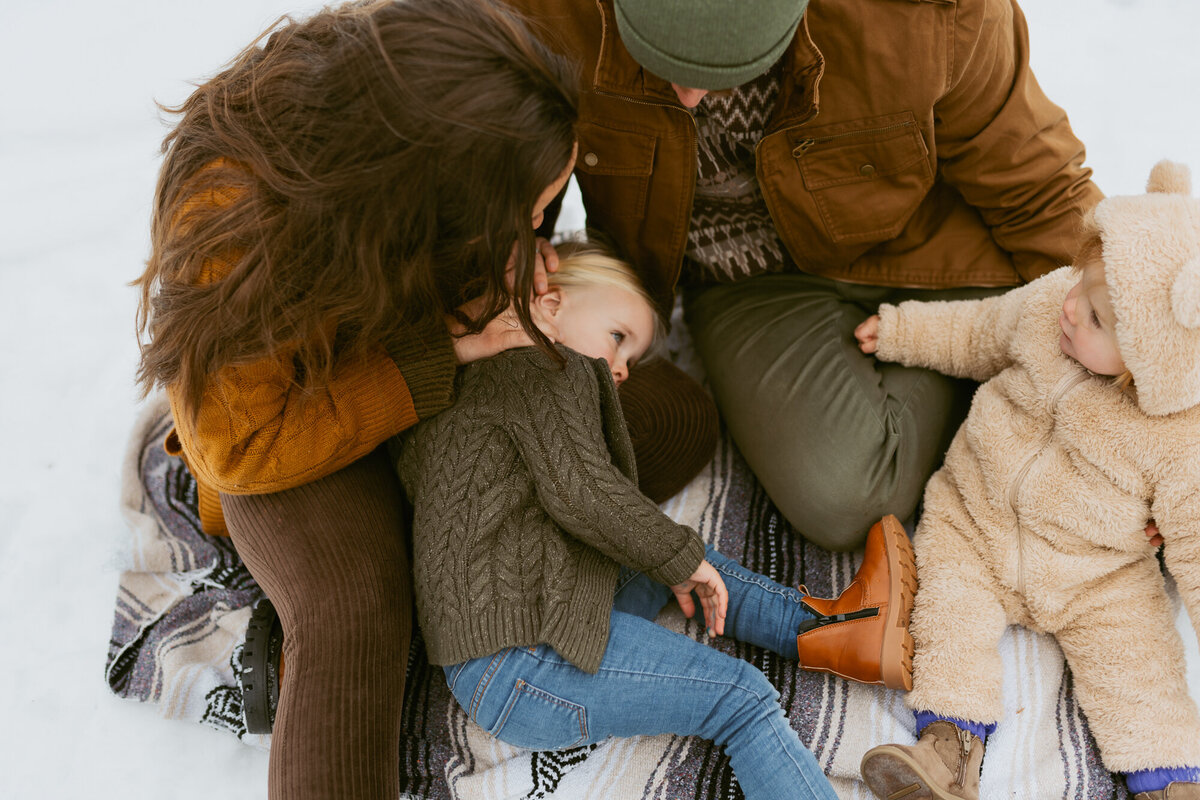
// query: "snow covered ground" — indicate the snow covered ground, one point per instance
point(79, 138)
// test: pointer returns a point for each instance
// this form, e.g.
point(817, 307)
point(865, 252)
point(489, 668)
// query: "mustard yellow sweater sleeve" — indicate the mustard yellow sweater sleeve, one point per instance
point(256, 431)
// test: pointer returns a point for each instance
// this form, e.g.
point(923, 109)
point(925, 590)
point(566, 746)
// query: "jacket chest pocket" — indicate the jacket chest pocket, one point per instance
point(613, 169)
point(866, 178)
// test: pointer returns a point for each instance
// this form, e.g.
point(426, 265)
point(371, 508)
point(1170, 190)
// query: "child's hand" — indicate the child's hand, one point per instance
point(867, 334)
point(714, 597)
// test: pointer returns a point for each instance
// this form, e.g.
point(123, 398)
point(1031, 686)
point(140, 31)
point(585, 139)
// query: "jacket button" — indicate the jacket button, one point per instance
point(867, 170)
point(591, 159)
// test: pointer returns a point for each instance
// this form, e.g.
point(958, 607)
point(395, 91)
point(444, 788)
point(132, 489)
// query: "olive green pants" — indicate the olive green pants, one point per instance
point(836, 438)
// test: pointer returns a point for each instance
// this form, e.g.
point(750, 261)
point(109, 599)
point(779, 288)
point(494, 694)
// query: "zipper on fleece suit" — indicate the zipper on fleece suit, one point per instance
point(1065, 384)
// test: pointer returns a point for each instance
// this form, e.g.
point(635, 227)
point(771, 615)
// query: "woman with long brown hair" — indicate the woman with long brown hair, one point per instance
point(332, 207)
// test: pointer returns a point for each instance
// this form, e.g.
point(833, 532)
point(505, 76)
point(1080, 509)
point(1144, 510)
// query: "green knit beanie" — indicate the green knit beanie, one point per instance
point(707, 44)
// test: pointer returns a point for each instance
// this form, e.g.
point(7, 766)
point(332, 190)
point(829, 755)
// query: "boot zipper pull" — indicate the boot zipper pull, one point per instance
point(964, 738)
point(818, 619)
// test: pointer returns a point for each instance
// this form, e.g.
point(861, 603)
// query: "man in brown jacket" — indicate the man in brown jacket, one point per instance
point(792, 165)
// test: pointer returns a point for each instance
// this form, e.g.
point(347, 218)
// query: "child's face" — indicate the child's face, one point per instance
point(602, 322)
point(1088, 325)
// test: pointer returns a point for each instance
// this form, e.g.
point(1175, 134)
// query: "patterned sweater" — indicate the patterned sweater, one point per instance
point(732, 235)
point(526, 501)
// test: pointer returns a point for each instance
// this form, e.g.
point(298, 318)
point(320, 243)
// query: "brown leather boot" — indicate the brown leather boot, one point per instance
point(863, 634)
point(942, 765)
point(1174, 791)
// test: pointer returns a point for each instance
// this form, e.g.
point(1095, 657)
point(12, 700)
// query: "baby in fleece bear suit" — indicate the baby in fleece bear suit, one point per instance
point(1037, 516)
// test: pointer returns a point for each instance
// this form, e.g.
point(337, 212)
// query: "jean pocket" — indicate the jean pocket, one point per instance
point(537, 720)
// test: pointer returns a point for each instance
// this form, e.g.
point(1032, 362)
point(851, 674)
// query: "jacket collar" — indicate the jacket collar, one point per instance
point(618, 73)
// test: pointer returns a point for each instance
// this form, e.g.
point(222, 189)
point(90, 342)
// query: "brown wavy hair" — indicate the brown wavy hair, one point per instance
point(358, 174)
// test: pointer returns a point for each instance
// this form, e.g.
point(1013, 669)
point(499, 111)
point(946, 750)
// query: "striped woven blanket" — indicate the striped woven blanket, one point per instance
point(184, 602)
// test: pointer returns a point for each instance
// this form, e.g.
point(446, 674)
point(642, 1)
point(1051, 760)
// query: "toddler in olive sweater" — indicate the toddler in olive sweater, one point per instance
point(539, 567)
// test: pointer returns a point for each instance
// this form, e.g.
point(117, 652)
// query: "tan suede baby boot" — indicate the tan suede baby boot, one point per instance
point(1174, 791)
point(943, 764)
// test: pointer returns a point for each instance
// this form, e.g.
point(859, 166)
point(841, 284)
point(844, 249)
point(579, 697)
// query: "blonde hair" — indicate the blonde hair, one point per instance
point(1091, 250)
point(583, 264)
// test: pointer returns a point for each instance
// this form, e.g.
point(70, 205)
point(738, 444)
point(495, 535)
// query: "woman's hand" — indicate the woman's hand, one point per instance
point(504, 332)
point(546, 260)
point(1153, 535)
point(867, 334)
point(714, 597)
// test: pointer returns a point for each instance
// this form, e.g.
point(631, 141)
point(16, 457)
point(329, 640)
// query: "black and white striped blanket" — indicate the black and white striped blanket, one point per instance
point(184, 602)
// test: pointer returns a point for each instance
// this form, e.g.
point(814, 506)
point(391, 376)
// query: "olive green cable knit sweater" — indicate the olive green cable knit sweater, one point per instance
point(526, 501)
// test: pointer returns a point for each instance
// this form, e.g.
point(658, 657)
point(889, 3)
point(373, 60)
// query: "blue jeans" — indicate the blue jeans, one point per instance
point(654, 681)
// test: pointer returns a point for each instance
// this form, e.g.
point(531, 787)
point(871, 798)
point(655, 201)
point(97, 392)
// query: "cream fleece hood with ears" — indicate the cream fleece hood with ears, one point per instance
point(1152, 264)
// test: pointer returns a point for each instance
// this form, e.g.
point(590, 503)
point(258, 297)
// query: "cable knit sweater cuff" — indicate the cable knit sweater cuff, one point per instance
point(682, 565)
point(427, 362)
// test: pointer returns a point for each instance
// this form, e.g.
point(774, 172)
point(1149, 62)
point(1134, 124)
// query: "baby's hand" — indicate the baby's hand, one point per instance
point(867, 334)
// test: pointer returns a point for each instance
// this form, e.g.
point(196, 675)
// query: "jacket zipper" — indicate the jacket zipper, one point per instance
point(1065, 385)
point(766, 198)
point(805, 144)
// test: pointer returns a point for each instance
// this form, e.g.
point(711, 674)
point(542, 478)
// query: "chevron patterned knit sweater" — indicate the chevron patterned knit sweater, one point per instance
point(526, 501)
point(732, 235)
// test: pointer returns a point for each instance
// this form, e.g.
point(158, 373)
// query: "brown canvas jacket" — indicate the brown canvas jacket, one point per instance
point(911, 146)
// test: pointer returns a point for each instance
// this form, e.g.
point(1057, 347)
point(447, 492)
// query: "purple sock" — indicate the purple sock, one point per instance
point(980, 729)
point(1154, 780)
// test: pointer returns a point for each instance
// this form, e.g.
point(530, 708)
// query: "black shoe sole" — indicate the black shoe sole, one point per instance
point(260, 668)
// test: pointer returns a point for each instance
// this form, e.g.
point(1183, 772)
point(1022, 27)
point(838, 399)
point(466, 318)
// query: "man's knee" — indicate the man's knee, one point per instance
point(836, 515)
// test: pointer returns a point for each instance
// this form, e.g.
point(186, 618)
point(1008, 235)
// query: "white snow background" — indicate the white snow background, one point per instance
point(79, 136)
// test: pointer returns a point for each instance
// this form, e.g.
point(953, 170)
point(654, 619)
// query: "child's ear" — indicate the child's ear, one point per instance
point(551, 302)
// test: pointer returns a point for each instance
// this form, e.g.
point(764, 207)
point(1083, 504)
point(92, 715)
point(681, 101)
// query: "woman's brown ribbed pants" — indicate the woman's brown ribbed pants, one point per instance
point(331, 556)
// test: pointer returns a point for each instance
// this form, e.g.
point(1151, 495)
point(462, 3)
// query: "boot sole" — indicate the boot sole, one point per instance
point(891, 774)
point(261, 659)
point(896, 653)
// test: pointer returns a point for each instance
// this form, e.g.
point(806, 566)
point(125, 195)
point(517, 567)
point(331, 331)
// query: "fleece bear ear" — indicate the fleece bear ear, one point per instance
point(1168, 177)
point(1185, 295)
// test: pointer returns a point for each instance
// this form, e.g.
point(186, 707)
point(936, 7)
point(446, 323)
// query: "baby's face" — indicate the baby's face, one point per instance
point(1089, 333)
point(606, 322)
